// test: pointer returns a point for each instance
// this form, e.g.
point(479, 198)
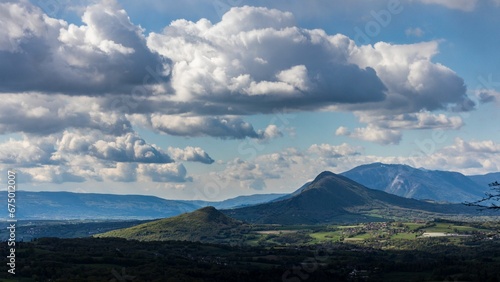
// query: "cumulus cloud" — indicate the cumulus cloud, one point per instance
point(126, 148)
point(197, 126)
point(86, 85)
point(331, 151)
point(255, 60)
point(372, 134)
point(241, 58)
point(77, 156)
point(46, 114)
point(174, 172)
point(190, 154)
point(26, 152)
point(271, 132)
point(414, 82)
point(106, 54)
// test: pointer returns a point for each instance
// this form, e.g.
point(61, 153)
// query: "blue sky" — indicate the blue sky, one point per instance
point(214, 99)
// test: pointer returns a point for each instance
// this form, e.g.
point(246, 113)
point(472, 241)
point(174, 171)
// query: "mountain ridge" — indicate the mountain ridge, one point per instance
point(409, 182)
point(335, 198)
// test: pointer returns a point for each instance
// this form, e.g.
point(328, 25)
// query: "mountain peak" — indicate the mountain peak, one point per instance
point(209, 214)
point(208, 209)
point(323, 175)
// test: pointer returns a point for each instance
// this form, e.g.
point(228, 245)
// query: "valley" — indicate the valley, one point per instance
point(330, 229)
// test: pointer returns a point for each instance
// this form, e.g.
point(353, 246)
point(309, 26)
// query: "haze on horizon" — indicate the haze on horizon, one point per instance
point(215, 99)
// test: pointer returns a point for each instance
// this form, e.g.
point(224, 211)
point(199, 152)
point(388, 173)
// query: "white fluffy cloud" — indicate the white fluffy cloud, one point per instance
point(414, 82)
point(255, 60)
point(331, 151)
point(372, 134)
point(84, 86)
point(469, 157)
point(190, 154)
point(106, 54)
point(47, 114)
point(76, 156)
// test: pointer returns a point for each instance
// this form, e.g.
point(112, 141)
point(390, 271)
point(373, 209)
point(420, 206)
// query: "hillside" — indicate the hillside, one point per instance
point(409, 182)
point(335, 198)
point(206, 225)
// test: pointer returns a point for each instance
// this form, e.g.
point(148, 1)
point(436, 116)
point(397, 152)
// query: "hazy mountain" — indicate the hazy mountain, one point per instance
point(206, 224)
point(240, 201)
point(409, 182)
point(484, 180)
point(68, 205)
point(335, 198)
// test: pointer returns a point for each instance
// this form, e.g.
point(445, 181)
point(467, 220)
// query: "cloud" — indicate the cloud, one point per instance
point(469, 157)
point(271, 132)
point(190, 154)
point(239, 58)
point(463, 5)
point(107, 54)
point(487, 95)
point(173, 172)
point(331, 151)
point(255, 60)
point(77, 156)
point(417, 32)
point(220, 127)
point(372, 133)
point(26, 152)
point(46, 114)
point(126, 148)
point(414, 82)
point(420, 120)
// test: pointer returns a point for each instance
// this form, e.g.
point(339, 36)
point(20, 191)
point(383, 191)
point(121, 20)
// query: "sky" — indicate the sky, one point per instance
point(210, 100)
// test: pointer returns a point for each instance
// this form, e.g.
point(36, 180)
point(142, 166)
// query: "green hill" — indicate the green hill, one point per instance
point(205, 225)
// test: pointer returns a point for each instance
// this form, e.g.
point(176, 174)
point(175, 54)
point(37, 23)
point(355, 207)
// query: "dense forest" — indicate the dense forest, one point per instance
point(113, 259)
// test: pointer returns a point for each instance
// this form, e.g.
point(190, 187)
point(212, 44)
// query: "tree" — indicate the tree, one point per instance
point(487, 201)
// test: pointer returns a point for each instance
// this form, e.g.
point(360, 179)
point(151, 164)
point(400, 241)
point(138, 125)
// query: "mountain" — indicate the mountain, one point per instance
point(206, 225)
point(68, 205)
point(240, 201)
point(335, 198)
point(409, 182)
point(484, 180)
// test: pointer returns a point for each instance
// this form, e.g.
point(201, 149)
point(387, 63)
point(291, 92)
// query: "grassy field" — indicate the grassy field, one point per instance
point(377, 232)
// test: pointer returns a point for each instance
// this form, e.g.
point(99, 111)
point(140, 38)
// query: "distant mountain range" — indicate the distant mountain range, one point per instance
point(333, 198)
point(329, 198)
point(68, 205)
point(409, 182)
point(400, 180)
